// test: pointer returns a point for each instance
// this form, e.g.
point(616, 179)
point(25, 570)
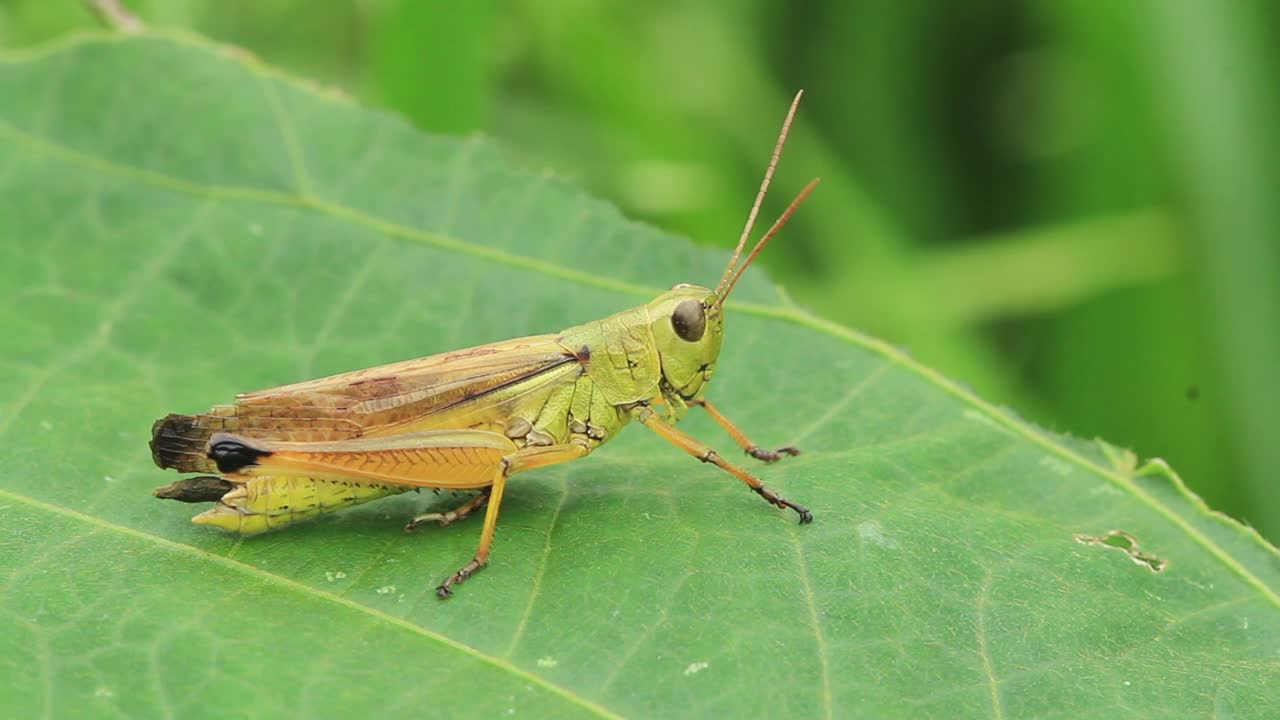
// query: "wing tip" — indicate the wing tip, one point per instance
point(177, 441)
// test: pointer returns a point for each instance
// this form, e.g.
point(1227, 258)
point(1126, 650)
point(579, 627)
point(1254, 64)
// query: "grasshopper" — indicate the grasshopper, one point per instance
point(467, 419)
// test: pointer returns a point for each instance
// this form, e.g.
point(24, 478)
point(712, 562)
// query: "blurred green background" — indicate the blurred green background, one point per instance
point(1070, 205)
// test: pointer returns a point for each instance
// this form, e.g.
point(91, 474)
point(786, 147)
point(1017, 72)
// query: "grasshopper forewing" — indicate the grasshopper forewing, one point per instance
point(468, 419)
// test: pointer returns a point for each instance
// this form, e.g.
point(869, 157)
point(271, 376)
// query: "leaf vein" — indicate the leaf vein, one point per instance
point(518, 635)
point(820, 638)
point(297, 159)
point(112, 313)
point(984, 652)
point(305, 590)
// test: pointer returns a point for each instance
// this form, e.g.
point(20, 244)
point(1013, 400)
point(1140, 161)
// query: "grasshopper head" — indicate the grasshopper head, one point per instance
point(688, 325)
point(688, 320)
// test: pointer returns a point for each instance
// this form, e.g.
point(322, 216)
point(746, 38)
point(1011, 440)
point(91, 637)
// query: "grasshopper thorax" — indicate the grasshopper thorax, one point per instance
point(688, 328)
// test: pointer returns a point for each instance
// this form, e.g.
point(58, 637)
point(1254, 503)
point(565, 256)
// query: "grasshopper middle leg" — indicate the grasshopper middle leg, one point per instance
point(448, 516)
point(525, 459)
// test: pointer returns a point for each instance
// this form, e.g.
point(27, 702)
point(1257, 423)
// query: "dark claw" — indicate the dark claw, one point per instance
point(445, 591)
point(772, 455)
point(782, 503)
point(802, 511)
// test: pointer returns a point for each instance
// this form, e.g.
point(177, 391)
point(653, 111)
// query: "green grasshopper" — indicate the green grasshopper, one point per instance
point(468, 419)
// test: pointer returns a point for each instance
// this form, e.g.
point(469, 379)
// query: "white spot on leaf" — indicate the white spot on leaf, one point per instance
point(1057, 465)
point(547, 662)
point(697, 667)
point(872, 532)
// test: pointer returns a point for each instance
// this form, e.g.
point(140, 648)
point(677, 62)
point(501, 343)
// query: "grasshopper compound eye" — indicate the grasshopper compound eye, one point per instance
point(689, 320)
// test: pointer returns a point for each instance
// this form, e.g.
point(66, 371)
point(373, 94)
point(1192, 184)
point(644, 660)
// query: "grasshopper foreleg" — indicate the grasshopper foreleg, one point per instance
point(703, 452)
point(741, 438)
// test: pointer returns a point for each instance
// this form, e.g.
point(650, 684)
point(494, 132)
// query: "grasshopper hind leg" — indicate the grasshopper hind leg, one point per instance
point(286, 481)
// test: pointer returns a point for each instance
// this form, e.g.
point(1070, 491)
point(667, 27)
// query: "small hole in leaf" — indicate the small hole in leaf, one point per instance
point(1120, 539)
point(1126, 543)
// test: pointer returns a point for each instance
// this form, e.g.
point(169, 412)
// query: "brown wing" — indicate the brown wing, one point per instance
point(434, 391)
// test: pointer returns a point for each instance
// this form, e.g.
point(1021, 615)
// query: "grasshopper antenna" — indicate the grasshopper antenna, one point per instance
point(773, 230)
point(725, 280)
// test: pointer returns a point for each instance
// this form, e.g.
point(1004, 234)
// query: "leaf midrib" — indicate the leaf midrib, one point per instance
point(782, 313)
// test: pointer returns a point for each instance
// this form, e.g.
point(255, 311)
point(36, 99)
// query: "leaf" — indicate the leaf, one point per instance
point(181, 223)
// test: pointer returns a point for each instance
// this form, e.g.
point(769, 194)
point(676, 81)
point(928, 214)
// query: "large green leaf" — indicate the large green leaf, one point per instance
point(180, 224)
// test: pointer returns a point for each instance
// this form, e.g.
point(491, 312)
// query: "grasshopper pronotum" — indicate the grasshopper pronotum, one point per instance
point(467, 419)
